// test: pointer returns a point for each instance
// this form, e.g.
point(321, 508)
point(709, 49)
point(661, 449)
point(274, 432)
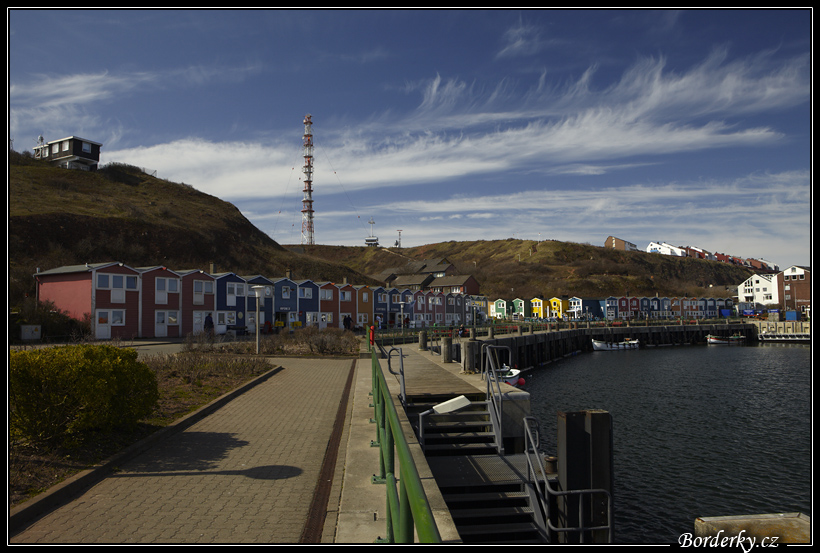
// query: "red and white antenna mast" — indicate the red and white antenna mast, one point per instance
point(307, 169)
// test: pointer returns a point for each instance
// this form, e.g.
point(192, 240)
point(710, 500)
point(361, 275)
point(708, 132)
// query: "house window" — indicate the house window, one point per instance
point(364, 296)
point(326, 294)
point(306, 293)
point(202, 287)
point(362, 318)
point(86, 147)
point(117, 317)
point(285, 292)
point(382, 298)
point(345, 296)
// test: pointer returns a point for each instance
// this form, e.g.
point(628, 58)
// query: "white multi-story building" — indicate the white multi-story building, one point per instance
point(758, 291)
point(665, 249)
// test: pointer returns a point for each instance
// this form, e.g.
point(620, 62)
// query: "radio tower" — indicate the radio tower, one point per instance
point(307, 201)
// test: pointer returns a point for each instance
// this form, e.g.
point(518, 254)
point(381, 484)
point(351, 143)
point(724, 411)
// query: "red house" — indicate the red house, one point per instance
point(161, 303)
point(328, 305)
point(196, 300)
point(107, 293)
point(347, 304)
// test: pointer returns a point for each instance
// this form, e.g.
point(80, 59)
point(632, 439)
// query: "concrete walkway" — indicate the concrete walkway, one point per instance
point(268, 466)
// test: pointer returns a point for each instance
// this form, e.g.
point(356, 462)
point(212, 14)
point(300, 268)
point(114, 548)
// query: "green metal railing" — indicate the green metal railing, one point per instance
point(407, 504)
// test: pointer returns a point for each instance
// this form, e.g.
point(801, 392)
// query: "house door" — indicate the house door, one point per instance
point(161, 325)
point(102, 330)
point(198, 324)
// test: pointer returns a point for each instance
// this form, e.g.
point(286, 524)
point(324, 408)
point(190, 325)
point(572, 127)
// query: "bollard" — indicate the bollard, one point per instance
point(423, 340)
point(446, 349)
point(469, 356)
point(490, 333)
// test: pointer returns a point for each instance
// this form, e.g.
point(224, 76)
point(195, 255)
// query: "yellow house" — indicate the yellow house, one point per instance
point(537, 308)
point(559, 307)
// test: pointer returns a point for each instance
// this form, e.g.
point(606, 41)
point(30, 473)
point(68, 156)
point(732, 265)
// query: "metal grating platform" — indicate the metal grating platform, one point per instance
point(477, 470)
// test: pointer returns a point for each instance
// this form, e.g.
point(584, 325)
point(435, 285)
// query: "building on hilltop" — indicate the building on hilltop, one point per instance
point(71, 152)
point(618, 244)
point(665, 249)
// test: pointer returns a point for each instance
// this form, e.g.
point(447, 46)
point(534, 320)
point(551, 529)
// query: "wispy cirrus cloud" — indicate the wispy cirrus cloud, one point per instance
point(458, 132)
point(70, 101)
point(522, 39)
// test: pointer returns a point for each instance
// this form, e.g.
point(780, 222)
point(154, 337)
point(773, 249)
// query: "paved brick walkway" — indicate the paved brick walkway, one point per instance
point(244, 474)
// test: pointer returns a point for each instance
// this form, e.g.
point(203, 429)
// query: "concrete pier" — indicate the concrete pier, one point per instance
point(533, 349)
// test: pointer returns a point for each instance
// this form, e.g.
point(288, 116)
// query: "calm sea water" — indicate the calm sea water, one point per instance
point(698, 431)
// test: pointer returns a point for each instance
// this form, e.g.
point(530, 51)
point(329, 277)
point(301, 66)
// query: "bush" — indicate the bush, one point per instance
point(57, 394)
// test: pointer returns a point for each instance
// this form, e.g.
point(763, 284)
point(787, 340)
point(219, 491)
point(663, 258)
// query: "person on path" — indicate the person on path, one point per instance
point(209, 327)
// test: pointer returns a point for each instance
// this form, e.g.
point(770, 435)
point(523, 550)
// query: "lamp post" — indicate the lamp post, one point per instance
point(259, 292)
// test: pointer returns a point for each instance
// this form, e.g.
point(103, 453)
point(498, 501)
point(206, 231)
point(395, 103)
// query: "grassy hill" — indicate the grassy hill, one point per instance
point(61, 217)
point(521, 268)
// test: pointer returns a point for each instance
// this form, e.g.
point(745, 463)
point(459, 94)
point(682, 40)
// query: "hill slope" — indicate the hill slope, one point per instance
point(526, 269)
point(60, 217)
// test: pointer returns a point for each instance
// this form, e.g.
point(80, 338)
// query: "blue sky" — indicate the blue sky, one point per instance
point(689, 127)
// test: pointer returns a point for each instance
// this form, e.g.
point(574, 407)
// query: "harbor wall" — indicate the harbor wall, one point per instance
point(532, 349)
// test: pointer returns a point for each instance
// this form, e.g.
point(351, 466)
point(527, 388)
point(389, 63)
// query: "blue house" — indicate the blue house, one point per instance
point(308, 306)
point(285, 303)
point(405, 305)
point(230, 305)
point(708, 307)
point(381, 305)
point(611, 308)
point(587, 309)
point(266, 305)
point(644, 309)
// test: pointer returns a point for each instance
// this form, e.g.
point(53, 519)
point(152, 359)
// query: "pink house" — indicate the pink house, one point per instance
point(107, 293)
point(421, 316)
point(161, 304)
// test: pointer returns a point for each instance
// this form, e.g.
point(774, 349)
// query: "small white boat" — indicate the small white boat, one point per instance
point(736, 339)
point(600, 345)
point(508, 375)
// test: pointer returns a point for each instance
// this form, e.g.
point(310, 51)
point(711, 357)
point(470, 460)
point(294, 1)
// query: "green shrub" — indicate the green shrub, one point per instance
point(57, 394)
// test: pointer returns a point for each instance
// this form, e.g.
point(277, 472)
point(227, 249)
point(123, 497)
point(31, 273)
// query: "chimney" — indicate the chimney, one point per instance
point(287, 273)
point(212, 269)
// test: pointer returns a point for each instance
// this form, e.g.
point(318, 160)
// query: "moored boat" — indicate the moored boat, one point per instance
point(600, 345)
point(735, 339)
point(508, 375)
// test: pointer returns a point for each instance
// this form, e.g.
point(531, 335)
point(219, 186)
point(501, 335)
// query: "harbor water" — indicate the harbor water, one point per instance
point(699, 431)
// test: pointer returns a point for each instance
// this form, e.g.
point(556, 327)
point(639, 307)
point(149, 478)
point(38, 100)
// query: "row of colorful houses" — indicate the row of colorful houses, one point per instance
point(611, 308)
point(157, 302)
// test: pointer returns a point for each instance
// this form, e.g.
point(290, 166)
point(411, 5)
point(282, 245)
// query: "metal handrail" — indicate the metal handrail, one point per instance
point(495, 398)
point(407, 504)
point(541, 482)
point(400, 374)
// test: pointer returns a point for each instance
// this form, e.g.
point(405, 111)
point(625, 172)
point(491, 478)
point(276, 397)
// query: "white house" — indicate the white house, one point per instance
point(758, 290)
point(665, 249)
